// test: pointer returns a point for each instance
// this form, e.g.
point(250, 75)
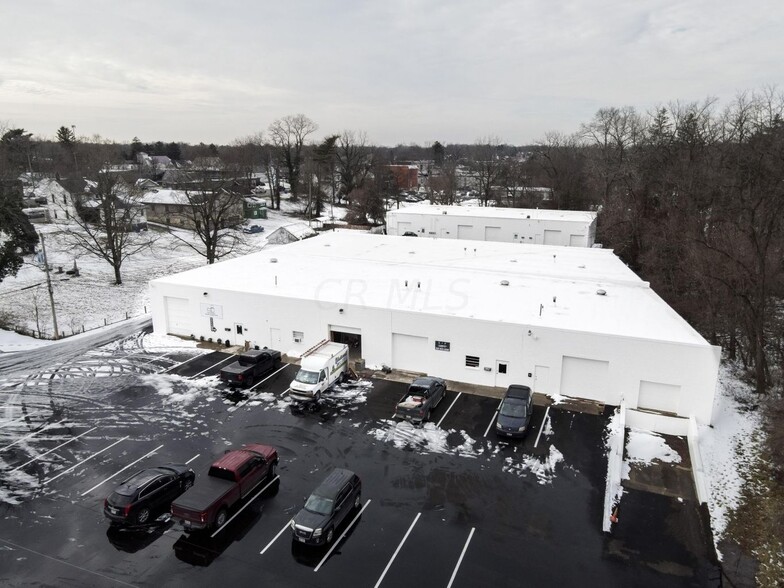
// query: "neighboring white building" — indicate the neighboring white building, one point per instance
point(290, 233)
point(564, 320)
point(486, 223)
point(49, 201)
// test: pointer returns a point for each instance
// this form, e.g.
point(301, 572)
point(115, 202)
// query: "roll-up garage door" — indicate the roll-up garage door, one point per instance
point(658, 396)
point(409, 352)
point(585, 378)
point(465, 231)
point(178, 319)
point(493, 234)
point(552, 237)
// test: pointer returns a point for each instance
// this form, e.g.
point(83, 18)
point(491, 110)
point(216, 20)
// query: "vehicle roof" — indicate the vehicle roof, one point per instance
point(425, 381)
point(236, 457)
point(141, 478)
point(258, 352)
point(333, 483)
point(518, 391)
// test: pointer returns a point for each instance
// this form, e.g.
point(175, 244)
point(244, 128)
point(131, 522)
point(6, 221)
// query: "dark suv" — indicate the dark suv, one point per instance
point(141, 496)
point(327, 508)
point(514, 415)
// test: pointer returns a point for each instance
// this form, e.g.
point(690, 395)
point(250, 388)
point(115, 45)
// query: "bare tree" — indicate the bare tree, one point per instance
point(486, 165)
point(108, 223)
point(288, 135)
point(213, 212)
point(354, 161)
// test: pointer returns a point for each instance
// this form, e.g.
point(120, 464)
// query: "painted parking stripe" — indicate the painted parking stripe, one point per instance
point(212, 366)
point(191, 459)
point(492, 420)
point(460, 559)
point(247, 504)
point(399, 547)
point(122, 470)
point(37, 457)
point(448, 409)
point(275, 538)
point(335, 544)
point(268, 377)
point(168, 369)
point(544, 420)
point(21, 418)
point(33, 434)
point(73, 467)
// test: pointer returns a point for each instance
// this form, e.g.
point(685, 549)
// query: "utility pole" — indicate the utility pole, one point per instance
point(49, 287)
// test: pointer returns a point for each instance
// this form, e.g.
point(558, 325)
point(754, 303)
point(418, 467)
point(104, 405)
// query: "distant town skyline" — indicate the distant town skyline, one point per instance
point(403, 71)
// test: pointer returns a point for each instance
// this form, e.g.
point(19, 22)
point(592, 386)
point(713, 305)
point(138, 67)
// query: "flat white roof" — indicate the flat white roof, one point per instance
point(455, 278)
point(581, 216)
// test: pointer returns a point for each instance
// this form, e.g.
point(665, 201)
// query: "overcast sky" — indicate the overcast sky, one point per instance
point(404, 71)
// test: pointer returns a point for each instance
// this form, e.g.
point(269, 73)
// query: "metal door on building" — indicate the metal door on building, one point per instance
point(275, 338)
point(239, 334)
point(541, 379)
point(501, 373)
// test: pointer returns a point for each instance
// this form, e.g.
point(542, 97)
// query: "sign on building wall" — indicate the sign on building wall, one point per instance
point(212, 310)
point(442, 345)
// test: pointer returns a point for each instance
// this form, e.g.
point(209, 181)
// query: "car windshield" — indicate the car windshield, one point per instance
point(306, 377)
point(319, 505)
point(513, 407)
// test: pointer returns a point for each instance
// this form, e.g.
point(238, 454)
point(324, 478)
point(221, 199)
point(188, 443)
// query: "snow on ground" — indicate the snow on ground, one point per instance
point(426, 438)
point(543, 470)
point(10, 341)
point(728, 447)
point(643, 447)
point(91, 299)
point(176, 389)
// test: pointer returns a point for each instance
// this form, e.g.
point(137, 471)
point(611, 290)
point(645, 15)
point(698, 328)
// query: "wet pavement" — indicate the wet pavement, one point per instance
point(444, 504)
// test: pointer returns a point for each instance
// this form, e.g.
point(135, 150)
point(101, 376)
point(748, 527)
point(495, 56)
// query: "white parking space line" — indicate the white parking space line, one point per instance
point(37, 457)
point(460, 559)
point(246, 505)
point(73, 467)
point(268, 377)
point(492, 420)
point(168, 369)
point(33, 434)
point(21, 418)
point(394, 555)
point(122, 470)
point(448, 409)
point(191, 459)
point(275, 538)
point(335, 544)
point(212, 366)
point(544, 420)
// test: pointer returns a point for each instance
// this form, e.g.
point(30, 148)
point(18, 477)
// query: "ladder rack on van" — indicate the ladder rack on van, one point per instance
point(316, 347)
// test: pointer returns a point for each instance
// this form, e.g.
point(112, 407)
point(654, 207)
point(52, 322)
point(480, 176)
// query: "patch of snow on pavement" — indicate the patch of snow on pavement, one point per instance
point(177, 389)
point(643, 447)
point(728, 447)
point(426, 438)
point(543, 470)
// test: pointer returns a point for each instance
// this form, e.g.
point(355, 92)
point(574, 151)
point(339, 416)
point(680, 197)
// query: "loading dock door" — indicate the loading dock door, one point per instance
point(576, 240)
point(493, 234)
point(178, 320)
point(409, 352)
point(464, 231)
point(402, 227)
point(552, 237)
point(658, 396)
point(585, 378)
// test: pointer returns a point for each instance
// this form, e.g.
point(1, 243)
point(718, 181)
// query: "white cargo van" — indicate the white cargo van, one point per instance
point(321, 367)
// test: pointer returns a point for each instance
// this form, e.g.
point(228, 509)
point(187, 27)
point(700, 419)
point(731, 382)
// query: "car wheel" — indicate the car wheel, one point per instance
point(330, 536)
point(143, 516)
point(317, 396)
point(187, 483)
point(427, 415)
point(220, 520)
point(358, 501)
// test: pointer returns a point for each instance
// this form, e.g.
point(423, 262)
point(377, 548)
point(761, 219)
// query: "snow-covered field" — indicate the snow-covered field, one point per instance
point(90, 300)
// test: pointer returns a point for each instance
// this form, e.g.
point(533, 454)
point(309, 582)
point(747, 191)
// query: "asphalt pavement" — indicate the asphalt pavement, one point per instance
point(445, 504)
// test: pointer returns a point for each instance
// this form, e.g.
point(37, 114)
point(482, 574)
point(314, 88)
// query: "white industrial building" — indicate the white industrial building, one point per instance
point(564, 320)
point(485, 223)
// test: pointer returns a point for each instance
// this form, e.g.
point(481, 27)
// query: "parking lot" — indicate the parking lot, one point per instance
point(446, 503)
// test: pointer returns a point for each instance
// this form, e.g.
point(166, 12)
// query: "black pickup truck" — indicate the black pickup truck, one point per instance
point(250, 366)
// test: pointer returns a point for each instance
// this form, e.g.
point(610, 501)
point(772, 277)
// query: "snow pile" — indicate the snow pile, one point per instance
point(11, 341)
point(544, 471)
point(176, 389)
point(728, 447)
point(644, 447)
point(159, 342)
point(617, 469)
point(427, 438)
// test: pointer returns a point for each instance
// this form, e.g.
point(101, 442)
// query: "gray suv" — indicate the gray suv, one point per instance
point(339, 494)
point(515, 413)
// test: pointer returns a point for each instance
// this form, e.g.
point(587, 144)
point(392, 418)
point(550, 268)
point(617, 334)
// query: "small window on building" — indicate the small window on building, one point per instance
point(472, 361)
point(501, 368)
point(298, 336)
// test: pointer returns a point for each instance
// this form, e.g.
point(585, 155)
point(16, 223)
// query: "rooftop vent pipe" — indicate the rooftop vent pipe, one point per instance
point(504, 282)
point(601, 292)
point(274, 260)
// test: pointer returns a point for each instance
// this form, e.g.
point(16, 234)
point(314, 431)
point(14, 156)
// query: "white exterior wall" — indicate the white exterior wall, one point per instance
point(692, 367)
point(510, 230)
